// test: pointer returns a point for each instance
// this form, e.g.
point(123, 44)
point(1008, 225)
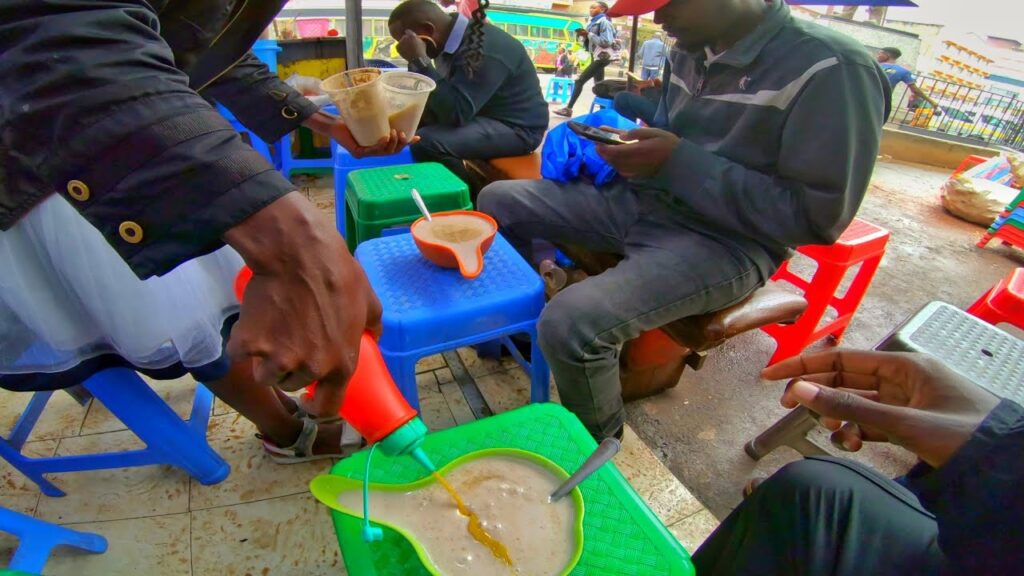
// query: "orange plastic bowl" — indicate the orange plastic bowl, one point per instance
point(443, 255)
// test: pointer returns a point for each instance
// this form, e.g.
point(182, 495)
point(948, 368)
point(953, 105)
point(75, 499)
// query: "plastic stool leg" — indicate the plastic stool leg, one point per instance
point(855, 294)
point(791, 340)
point(540, 373)
point(23, 465)
point(403, 372)
point(125, 394)
point(789, 430)
point(38, 538)
point(983, 310)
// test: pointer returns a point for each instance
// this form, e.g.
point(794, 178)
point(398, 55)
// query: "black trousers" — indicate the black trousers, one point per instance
point(594, 71)
point(823, 516)
point(479, 139)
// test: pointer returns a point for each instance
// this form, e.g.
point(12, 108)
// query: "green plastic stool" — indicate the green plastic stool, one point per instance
point(621, 534)
point(380, 198)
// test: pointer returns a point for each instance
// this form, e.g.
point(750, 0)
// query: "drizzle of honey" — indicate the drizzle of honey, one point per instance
point(476, 529)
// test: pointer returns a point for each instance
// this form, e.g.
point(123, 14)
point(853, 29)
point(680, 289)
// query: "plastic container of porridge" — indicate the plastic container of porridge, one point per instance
point(407, 94)
point(361, 103)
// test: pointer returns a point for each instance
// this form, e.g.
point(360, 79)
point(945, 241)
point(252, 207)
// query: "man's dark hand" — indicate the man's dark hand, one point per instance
point(642, 158)
point(411, 46)
point(308, 302)
point(332, 127)
point(910, 400)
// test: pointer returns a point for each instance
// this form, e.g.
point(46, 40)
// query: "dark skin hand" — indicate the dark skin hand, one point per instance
point(910, 400)
point(642, 158)
point(335, 129)
point(308, 302)
point(411, 46)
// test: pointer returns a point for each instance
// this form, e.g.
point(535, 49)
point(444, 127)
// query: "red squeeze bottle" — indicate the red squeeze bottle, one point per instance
point(372, 404)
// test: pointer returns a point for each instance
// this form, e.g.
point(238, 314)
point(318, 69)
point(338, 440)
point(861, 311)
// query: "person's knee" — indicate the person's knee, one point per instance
point(809, 475)
point(504, 200)
point(429, 148)
point(560, 332)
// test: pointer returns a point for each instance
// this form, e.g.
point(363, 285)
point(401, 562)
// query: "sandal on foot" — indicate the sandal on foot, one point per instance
point(304, 411)
point(564, 112)
point(302, 449)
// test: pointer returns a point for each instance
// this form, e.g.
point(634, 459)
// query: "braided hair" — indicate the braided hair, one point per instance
point(474, 57)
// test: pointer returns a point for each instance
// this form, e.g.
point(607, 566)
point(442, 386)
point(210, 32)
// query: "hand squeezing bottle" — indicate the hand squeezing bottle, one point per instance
point(375, 407)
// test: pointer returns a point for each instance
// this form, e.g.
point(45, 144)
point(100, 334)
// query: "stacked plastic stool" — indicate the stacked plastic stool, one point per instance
point(1008, 227)
point(345, 163)
point(601, 103)
point(168, 439)
point(1004, 302)
point(290, 163)
point(377, 199)
point(429, 309)
point(36, 539)
point(249, 136)
point(862, 243)
point(559, 90)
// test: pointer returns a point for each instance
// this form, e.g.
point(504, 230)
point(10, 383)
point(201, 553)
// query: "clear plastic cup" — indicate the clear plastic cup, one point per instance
point(361, 103)
point(407, 94)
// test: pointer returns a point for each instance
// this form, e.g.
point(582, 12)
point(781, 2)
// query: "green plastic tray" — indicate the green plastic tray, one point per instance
point(621, 535)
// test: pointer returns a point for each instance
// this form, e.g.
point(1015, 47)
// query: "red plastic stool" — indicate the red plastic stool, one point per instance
point(968, 163)
point(1004, 302)
point(862, 243)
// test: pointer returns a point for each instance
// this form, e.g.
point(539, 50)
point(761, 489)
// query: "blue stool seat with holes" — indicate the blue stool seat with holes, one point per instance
point(429, 309)
point(559, 90)
point(37, 538)
point(168, 439)
point(600, 103)
point(345, 162)
point(248, 136)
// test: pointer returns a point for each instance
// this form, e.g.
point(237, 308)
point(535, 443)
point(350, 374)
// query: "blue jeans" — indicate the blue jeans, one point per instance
point(635, 107)
point(650, 73)
point(669, 272)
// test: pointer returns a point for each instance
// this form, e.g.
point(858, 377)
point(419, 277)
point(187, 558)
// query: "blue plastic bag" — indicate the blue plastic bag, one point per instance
point(566, 156)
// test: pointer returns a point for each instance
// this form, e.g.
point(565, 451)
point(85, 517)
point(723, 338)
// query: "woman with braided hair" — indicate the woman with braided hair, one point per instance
point(488, 102)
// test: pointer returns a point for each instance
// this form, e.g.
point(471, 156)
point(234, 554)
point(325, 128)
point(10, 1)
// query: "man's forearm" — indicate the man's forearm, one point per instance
point(922, 94)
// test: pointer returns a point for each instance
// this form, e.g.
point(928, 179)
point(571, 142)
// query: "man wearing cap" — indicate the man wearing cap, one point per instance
point(887, 58)
point(765, 138)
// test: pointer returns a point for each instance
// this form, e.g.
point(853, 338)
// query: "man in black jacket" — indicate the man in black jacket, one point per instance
point(102, 102)
point(957, 512)
point(488, 102)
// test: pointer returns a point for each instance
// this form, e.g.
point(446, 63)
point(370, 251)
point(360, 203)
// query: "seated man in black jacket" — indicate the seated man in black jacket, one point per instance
point(488, 101)
point(823, 516)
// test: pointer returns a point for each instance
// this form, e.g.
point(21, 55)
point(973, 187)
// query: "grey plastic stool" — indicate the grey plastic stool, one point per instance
point(975, 349)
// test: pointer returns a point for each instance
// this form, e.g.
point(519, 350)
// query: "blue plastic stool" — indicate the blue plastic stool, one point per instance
point(266, 51)
point(380, 64)
point(429, 309)
point(252, 139)
point(559, 90)
point(600, 103)
point(168, 439)
point(345, 162)
point(290, 163)
point(38, 538)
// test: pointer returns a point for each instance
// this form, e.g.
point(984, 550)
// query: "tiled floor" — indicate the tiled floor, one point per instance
point(261, 520)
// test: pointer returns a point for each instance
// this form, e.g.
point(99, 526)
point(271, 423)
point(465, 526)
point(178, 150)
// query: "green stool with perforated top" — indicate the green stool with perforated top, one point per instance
point(377, 199)
point(621, 535)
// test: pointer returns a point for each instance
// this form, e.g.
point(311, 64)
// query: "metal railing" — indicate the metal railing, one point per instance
point(969, 114)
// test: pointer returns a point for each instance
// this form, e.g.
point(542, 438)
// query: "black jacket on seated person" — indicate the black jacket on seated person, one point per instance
point(102, 101)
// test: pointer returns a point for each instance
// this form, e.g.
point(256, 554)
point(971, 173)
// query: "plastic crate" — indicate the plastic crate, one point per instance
point(380, 198)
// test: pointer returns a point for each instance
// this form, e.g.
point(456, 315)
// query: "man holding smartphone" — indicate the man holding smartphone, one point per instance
point(766, 137)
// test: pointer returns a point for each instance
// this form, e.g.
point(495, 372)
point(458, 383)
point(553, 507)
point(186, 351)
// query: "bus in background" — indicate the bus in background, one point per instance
point(541, 34)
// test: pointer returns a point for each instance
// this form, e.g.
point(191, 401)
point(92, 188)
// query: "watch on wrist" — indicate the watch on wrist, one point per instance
point(420, 63)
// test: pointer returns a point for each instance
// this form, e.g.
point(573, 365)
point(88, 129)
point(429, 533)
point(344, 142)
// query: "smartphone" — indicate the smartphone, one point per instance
point(596, 134)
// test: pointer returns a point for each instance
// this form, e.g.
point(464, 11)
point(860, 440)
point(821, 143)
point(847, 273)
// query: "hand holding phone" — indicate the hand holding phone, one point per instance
point(596, 134)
